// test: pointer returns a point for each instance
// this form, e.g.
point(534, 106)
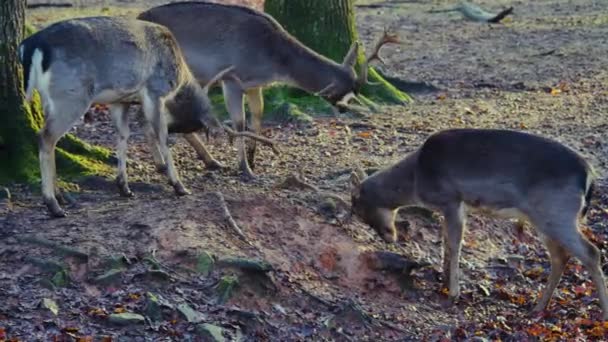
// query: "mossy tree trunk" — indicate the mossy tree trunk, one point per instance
point(19, 121)
point(328, 27)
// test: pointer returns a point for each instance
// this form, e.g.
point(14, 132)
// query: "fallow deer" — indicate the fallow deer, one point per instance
point(77, 62)
point(507, 173)
point(214, 36)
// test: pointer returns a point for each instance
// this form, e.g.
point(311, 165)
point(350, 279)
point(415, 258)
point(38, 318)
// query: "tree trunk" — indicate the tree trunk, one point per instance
point(328, 27)
point(19, 121)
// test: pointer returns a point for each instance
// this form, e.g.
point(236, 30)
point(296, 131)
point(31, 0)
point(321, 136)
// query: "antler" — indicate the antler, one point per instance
point(325, 91)
point(387, 37)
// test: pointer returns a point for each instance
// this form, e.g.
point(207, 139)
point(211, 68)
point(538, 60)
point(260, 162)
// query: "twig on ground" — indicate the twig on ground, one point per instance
point(544, 54)
point(295, 181)
point(232, 134)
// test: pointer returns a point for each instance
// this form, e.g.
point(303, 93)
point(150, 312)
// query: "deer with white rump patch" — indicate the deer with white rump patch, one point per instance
point(213, 36)
point(503, 172)
point(77, 62)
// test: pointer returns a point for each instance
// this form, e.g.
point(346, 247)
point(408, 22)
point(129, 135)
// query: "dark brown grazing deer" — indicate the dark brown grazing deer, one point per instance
point(503, 172)
point(214, 36)
point(77, 62)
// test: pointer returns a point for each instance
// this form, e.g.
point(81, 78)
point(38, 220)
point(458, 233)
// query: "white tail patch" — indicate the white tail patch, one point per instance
point(39, 80)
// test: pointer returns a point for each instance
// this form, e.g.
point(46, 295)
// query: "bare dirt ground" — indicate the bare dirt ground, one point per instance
point(543, 71)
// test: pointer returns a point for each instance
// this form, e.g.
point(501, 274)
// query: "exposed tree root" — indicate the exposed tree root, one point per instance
point(229, 219)
point(83, 257)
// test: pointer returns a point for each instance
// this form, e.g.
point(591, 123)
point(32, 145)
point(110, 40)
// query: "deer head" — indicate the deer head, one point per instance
point(341, 91)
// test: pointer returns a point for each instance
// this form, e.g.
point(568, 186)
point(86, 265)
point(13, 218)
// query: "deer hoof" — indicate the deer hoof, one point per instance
point(125, 192)
point(54, 208)
point(60, 198)
point(161, 168)
point(123, 188)
point(180, 189)
point(251, 157)
point(214, 165)
point(248, 176)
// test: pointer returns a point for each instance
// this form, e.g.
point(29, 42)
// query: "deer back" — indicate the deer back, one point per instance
point(214, 36)
point(110, 57)
point(499, 169)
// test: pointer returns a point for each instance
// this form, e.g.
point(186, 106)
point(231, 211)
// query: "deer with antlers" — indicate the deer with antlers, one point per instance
point(214, 36)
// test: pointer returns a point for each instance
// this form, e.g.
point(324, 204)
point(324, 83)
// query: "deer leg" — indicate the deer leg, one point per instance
point(155, 112)
point(152, 140)
point(559, 259)
point(121, 120)
point(446, 257)
point(255, 100)
point(196, 143)
point(233, 95)
point(454, 226)
point(54, 128)
point(589, 255)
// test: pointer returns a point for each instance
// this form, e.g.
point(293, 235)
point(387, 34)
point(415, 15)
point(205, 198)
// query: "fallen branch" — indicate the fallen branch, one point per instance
point(295, 181)
point(476, 13)
point(391, 4)
point(228, 217)
point(233, 134)
point(50, 244)
point(42, 5)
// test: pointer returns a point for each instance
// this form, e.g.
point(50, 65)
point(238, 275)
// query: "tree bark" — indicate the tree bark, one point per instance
point(328, 27)
point(19, 121)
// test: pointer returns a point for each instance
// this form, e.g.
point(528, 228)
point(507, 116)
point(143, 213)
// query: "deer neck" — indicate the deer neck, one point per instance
point(395, 186)
point(310, 71)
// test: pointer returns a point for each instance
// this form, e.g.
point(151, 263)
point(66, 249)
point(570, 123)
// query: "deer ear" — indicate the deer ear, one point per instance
point(351, 57)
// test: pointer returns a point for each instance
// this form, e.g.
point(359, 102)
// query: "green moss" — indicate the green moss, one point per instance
point(74, 145)
point(74, 158)
point(329, 28)
point(383, 92)
point(275, 99)
point(72, 166)
point(29, 30)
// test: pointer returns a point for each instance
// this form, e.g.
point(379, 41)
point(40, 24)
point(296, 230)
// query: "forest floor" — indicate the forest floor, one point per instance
point(542, 71)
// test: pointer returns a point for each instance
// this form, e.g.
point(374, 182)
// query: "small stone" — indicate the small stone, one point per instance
point(153, 307)
point(51, 305)
point(252, 265)
point(210, 332)
point(328, 206)
point(61, 279)
point(191, 315)
point(126, 318)
point(110, 277)
point(226, 288)
point(204, 263)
